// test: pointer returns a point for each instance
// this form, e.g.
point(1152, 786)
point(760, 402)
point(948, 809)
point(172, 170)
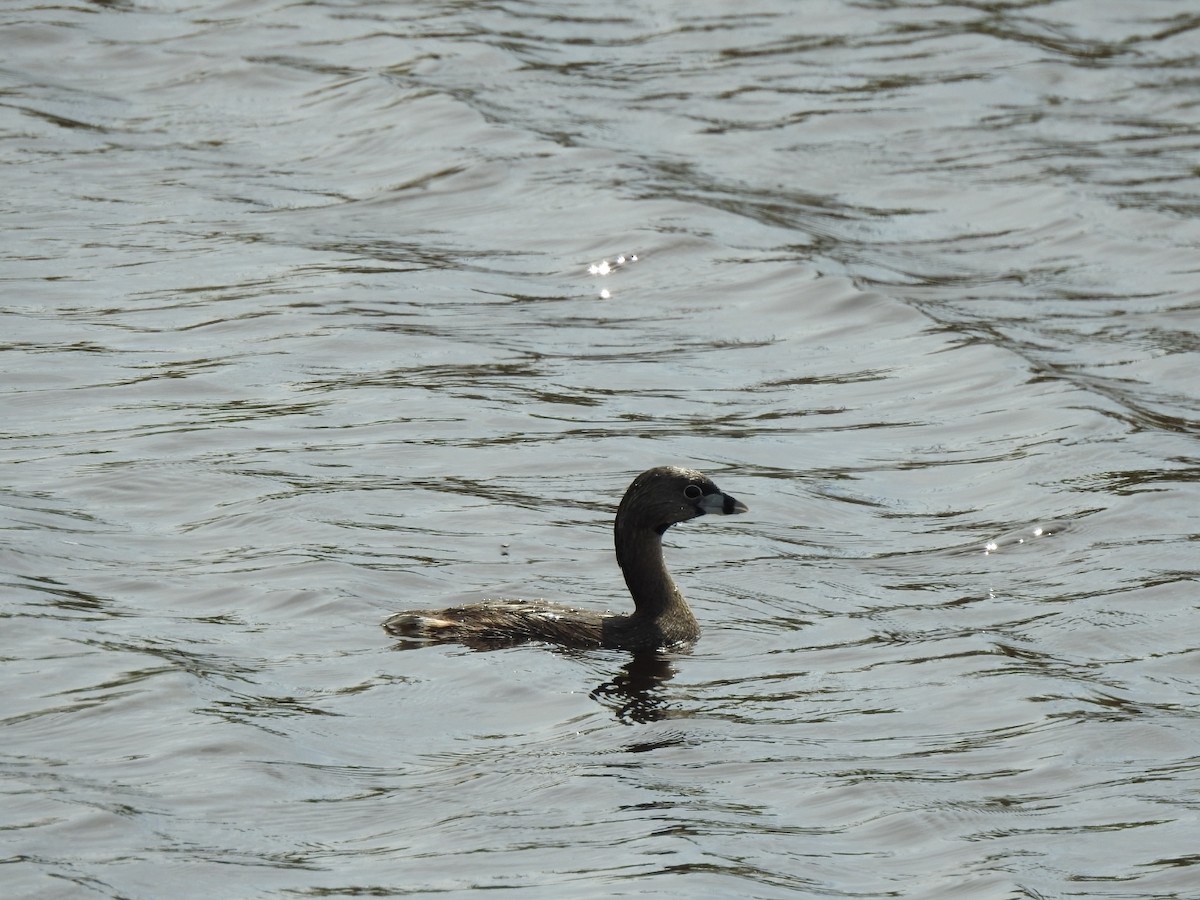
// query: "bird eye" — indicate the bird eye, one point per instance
point(692, 492)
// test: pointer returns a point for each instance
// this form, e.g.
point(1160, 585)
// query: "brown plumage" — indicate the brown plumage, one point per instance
point(657, 499)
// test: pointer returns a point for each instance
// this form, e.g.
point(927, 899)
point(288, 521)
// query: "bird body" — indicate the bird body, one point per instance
point(656, 500)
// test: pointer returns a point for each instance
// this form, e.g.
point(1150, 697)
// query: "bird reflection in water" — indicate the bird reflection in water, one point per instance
point(635, 695)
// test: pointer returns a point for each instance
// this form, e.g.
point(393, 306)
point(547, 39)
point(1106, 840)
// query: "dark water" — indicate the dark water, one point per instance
point(299, 330)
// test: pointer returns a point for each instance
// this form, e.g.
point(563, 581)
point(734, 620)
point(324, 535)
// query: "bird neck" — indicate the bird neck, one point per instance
point(640, 556)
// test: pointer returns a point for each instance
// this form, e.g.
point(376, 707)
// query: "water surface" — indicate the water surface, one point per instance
point(300, 329)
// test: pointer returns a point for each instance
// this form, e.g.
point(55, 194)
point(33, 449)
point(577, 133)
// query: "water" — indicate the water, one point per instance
point(299, 331)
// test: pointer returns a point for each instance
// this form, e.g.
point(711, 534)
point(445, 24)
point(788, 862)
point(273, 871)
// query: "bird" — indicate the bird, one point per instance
point(657, 499)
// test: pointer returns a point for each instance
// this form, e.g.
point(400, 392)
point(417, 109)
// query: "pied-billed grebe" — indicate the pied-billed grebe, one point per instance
point(655, 501)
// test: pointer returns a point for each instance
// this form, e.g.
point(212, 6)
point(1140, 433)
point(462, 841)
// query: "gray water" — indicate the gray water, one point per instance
point(299, 331)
